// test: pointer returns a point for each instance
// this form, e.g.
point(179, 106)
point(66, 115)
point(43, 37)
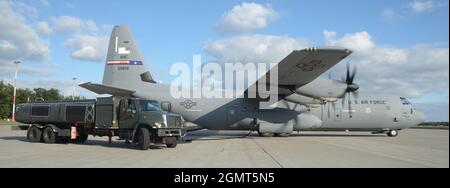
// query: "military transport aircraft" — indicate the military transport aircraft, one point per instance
point(304, 102)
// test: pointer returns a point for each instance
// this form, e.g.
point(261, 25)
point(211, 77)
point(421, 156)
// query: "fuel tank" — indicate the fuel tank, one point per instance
point(58, 113)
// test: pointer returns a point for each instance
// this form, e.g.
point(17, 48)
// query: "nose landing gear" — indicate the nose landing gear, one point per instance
point(392, 133)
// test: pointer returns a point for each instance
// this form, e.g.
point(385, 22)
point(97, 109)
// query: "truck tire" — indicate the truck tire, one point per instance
point(34, 134)
point(82, 137)
point(49, 135)
point(171, 145)
point(143, 138)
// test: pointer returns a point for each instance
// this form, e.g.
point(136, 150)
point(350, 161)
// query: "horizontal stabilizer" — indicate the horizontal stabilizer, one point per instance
point(104, 89)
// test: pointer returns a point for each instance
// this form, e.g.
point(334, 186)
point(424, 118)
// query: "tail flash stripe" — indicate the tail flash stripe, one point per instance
point(124, 63)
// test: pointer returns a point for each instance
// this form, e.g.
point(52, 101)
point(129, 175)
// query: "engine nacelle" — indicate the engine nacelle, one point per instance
point(303, 100)
point(328, 90)
point(267, 127)
point(306, 121)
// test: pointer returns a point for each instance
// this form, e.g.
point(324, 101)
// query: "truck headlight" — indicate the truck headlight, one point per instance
point(158, 125)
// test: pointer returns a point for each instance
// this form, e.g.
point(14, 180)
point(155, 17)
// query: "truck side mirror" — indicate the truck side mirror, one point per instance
point(166, 106)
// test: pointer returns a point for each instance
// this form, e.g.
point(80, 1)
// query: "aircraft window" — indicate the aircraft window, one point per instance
point(149, 105)
point(404, 101)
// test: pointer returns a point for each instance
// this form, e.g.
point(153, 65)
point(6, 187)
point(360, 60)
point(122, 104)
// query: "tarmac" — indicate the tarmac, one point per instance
point(229, 149)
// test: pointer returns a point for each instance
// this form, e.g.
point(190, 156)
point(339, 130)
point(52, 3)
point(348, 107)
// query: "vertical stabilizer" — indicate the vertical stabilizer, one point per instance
point(124, 66)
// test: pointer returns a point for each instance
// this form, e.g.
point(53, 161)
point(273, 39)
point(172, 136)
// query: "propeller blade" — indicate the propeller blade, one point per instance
point(347, 78)
point(328, 110)
point(355, 94)
point(343, 100)
point(353, 74)
point(350, 105)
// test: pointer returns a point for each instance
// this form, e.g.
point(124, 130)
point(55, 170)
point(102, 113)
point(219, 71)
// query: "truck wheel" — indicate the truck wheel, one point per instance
point(143, 139)
point(49, 136)
point(172, 145)
point(34, 134)
point(82, 137)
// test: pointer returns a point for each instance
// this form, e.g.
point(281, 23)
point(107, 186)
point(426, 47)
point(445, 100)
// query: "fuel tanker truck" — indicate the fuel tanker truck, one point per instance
point(131, 119)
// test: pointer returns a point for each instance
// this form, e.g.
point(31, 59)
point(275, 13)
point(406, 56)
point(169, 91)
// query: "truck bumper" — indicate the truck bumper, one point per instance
point(169, 132)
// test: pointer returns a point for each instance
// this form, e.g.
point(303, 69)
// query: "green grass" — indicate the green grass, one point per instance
point(430, 127)
point(5, 122)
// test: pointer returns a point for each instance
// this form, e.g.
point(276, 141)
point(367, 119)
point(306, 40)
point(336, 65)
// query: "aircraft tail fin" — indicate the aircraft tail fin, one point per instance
point(124, 67)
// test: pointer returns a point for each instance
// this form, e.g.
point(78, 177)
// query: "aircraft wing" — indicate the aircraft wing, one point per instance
point(104, 89)
point(303, 66)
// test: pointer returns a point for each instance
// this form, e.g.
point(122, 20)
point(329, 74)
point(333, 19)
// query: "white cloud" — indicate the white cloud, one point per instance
point(8, 69)
point(67, 25)
point(392, 15)
point(254, 48)
point(87, 42)
point(18, 40)
point(419, 6)
point(23, 9)
point(88, 47)
point(412, 71)
point(246, 17)
point(43, 28)
point(360, 41)
point(90, 26)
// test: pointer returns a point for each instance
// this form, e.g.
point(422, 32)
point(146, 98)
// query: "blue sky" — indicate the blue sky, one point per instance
point(410, 35)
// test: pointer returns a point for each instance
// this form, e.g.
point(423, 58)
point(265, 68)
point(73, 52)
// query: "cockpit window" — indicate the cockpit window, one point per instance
point(149, 105)
point(404, 101)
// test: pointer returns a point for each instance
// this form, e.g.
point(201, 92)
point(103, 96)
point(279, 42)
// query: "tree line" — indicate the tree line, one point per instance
point(26, 95)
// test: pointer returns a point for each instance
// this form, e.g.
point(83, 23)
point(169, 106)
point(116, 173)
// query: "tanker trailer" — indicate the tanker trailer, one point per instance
point(131, 119)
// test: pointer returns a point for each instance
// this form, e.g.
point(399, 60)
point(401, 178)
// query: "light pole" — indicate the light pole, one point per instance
point(15, 84)
point(73, 89)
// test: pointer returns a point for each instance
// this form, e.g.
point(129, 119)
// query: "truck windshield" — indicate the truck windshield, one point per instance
point(149, 105)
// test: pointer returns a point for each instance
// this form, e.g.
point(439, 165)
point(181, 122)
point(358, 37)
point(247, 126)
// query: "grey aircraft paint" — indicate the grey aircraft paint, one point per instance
point(124, 70)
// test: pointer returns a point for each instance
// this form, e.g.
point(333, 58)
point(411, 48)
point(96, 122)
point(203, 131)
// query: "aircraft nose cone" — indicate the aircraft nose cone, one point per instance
point(420, 117)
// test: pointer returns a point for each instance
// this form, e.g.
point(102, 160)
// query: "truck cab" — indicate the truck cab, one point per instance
point(139, 117)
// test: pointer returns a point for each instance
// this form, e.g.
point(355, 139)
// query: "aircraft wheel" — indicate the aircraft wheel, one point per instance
point(34, 134)
point(266, 134)
point(49, 135)
point(282, 134)
point(392, 133)
point(143, 139)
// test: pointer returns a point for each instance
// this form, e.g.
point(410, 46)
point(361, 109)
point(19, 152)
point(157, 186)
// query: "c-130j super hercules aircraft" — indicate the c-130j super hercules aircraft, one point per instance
point(304, 102)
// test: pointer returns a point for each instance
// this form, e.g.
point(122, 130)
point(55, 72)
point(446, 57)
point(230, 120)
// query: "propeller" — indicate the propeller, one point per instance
point(351, 89)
